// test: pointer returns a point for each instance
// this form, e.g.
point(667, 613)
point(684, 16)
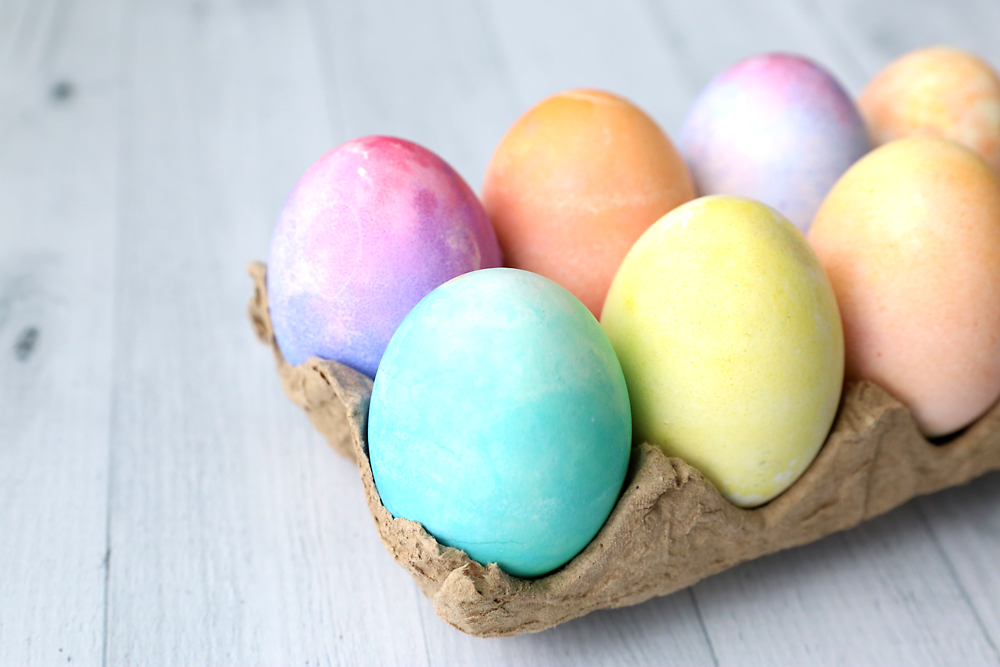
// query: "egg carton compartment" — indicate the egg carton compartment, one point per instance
point(670, 527)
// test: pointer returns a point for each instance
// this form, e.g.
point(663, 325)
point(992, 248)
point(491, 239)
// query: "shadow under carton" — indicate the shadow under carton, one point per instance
point(670, 527)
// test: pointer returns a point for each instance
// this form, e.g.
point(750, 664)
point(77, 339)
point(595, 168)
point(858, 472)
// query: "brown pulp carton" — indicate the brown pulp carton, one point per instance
point(670, 527)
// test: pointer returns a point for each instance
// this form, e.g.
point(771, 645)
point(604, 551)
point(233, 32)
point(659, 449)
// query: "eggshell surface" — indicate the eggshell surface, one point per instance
point(774, 127)
point(940, 92)
point(728, 333)
point(910, 237)
point(574, 182)
point(370, 229)
point(500, 421)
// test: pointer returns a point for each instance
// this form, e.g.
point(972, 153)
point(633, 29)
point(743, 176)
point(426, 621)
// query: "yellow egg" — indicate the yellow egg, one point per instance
point(910, 237)
point(728, 332)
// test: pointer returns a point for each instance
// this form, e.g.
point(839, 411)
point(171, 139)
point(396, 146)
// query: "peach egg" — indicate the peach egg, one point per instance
point(939, 92)
point(574, 182)
point(910, 237)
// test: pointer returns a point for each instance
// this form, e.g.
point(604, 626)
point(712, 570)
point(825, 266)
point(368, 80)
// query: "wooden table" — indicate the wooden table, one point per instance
point(162, 503)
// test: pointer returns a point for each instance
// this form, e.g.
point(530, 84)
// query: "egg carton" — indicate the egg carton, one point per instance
point(670, 527)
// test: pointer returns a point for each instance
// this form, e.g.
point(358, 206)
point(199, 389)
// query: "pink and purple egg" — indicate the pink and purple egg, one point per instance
point(370, 229)
point(777, 128)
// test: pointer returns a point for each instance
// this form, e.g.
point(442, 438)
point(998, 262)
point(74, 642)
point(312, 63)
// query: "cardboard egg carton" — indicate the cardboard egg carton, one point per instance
point(670, 527)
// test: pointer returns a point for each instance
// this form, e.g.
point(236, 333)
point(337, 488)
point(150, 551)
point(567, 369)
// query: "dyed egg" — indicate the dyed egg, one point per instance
point(500, 421)
point(371, 228)
point(573, 184)
point(728, 333)
point(777, 128)
point(938, 92)
point(910, 237)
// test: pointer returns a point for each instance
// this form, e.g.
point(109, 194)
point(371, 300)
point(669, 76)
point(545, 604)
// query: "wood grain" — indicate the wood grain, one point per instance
point(145, 149)
point(59, 94)
point(237, 539)
point(430, 72)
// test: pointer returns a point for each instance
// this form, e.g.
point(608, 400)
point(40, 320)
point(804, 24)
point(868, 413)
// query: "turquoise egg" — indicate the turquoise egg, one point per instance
point(500, 420)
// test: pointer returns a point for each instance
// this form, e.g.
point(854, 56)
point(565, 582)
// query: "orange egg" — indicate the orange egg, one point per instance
point(574, 182)
point(939, 92)
point(910, 237)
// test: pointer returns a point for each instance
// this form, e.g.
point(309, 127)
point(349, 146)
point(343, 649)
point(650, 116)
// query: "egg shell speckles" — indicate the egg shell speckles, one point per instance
point(370, 229)
point(574, 182)
point(500, 421)
point(938, 92)
point(774, 127)
point(910, 238)
point(728, 333)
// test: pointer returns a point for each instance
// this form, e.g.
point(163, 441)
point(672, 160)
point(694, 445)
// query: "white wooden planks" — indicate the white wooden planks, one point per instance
point(428, 72)
point(707, 37)
point(877, 595)
point(551, 47)
point(965, 523)
point(59, 70)
point(364, 99)
point(876, 33)
point(663, 631)
point(237, 536)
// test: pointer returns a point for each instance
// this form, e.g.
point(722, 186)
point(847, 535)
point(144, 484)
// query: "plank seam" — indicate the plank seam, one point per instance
point(704, 628)
point(953, 573)
point(839, 40)
point(122, 108)
point(335, 111)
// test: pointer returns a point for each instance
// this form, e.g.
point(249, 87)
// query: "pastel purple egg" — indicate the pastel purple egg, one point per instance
point(370, 229)
point(777, 128)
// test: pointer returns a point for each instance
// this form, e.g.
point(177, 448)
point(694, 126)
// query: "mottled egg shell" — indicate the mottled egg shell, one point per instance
point(774, 127)
point(728, 332)
point(500, 421)
point(370, 229)
point(938, 92)
point(910, 238)
point(573, 184)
